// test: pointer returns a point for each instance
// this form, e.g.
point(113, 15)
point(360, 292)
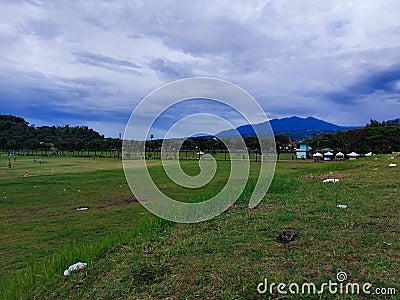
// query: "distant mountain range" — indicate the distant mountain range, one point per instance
point(295, 127)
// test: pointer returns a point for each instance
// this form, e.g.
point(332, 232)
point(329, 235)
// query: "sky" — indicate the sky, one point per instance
point(91, 62)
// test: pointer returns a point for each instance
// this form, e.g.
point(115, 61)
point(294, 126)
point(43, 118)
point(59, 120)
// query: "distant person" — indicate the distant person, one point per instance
point(40, 161)
point(26, 175)
point(15, 158)
point(9, 164)
point(34, 159)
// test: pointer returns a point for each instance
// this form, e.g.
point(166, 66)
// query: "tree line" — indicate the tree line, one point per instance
point(17, 136)
point(377, 137)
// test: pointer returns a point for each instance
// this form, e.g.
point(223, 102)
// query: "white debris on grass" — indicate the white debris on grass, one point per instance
point(392, 165)
point(77, 266)
point(82, 208)
point(331, 180)
point(79, 191)
point(341, 206)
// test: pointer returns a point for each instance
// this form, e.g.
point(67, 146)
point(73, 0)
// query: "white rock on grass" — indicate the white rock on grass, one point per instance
point(82, 208)
point(332, 180)
point(77, 266)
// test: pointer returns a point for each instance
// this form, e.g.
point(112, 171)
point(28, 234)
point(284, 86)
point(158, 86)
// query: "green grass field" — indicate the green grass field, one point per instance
point(133, 255)
point(39, 216)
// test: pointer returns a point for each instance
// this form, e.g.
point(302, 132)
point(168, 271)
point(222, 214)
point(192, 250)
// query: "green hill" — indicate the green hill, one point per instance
point(16, 135)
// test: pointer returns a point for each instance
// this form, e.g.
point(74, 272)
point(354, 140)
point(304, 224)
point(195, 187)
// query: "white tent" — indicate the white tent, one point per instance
point(328, 155)
point(339, 156)
point(353, 154)
point(317, 156)
point(368, 154)
point(200, 153)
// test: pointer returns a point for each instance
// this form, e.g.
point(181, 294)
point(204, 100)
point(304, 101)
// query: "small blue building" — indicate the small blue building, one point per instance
point(303, 151)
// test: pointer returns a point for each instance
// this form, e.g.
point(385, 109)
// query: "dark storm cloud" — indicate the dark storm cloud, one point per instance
point(107, 62)
point(169, 68)
point(375, 83)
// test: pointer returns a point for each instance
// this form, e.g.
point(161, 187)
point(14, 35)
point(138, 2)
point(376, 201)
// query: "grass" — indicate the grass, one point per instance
point(224, 258)
point(39, 216)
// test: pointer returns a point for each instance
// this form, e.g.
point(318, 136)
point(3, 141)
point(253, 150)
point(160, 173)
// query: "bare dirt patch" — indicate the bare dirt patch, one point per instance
point(324, 176)
point(117, 201)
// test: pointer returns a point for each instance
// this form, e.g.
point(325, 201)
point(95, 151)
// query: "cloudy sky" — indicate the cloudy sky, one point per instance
point(91, 62)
